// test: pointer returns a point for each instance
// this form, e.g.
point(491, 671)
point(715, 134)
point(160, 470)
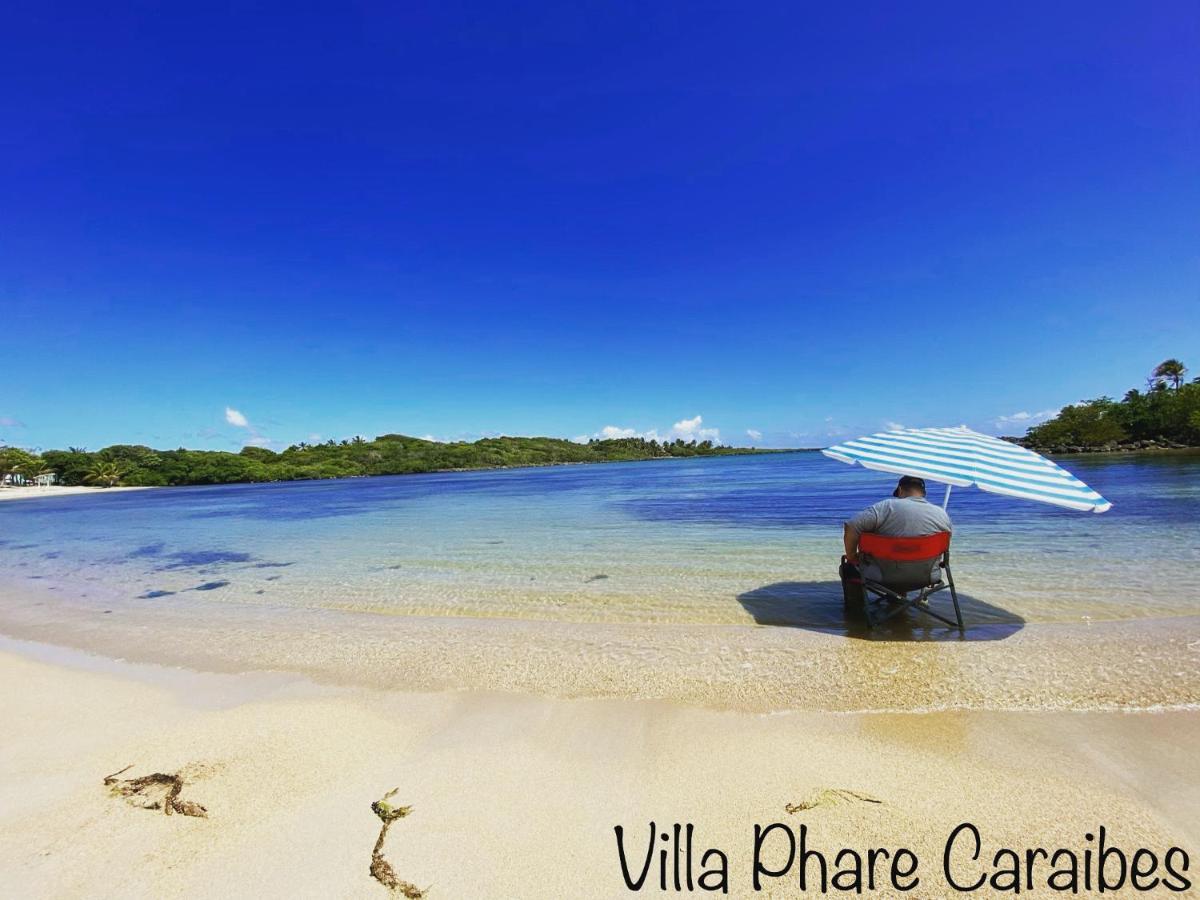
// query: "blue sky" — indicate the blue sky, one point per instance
point(787, 220)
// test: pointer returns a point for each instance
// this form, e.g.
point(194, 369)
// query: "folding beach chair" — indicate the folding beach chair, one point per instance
point(916, 579)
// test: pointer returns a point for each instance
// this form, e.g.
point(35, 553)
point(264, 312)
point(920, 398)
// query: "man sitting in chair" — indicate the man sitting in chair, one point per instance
point(905, 514)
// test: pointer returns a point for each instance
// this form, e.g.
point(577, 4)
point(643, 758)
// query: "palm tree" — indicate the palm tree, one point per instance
point(105, 473)
point(1171, 370)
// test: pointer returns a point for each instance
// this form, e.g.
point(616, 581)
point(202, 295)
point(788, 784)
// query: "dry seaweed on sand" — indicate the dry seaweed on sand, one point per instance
point(381, 869)
point(830, 797)
point(158, 790)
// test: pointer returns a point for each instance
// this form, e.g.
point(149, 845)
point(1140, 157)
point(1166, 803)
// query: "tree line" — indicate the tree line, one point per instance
point(1165, 413)
point(389, 454)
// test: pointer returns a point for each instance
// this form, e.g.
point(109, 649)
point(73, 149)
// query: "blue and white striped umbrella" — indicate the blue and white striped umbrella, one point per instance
point(962, 457)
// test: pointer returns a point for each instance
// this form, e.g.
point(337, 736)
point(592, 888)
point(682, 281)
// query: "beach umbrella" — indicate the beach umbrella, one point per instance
point(962, 457)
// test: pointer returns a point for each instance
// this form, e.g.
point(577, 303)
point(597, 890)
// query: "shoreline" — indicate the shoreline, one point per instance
point(29, 492)
point(33, 492)
point(518, 796)
point(1113, 451)
point(1132, 664)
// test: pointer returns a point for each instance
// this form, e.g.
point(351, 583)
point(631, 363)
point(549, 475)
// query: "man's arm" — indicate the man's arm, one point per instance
point(867, 520)
point(850, 540)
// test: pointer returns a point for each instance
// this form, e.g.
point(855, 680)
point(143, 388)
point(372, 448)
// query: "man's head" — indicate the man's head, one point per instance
point(910, 486)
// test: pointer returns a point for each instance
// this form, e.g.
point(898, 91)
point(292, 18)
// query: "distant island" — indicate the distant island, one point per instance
point(389, 454)
point(1166, 415)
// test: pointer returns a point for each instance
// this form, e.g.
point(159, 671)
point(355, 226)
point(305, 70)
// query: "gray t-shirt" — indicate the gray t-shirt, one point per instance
point(901, 517)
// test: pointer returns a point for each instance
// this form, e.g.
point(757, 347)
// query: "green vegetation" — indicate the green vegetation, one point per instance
point(1166, 414)
point(390, 454)
point(105, 472)
point(15, 461)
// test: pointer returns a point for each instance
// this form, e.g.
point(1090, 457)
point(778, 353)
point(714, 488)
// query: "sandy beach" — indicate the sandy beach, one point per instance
point(518, 796)
point(31, 492)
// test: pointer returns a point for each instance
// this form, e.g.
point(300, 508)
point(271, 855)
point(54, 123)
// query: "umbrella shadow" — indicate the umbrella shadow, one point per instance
point(818, 606)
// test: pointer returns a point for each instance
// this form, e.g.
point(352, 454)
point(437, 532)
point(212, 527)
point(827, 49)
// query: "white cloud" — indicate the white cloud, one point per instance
point(615, 432)
point(612, 432)
point(754, 434)
point(10, 422)
point(691, 429)
point(893, 426)
point(430, 437)
point(685, 429)
point(834, 429)
point(1023, 418)
point(253, 438)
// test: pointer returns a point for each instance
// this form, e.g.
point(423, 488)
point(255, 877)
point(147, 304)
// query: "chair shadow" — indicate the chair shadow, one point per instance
point(818, 606)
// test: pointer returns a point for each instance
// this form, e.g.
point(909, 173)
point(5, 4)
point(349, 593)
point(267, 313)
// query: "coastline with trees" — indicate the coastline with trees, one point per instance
point(1163, 416)
point(135, 465)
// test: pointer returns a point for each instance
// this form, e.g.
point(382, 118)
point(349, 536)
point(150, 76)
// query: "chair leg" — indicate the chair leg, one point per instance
point(919, 603)
point(874, 594)
point(954, 597)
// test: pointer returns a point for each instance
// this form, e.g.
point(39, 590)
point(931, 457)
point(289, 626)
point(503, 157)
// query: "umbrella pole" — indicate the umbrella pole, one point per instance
point(946, 502)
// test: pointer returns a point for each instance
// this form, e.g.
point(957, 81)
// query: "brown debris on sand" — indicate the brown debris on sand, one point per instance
point(381, 869)
point(158, 790)
point(830, 797)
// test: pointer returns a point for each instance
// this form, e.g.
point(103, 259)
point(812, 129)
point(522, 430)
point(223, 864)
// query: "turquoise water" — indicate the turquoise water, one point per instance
point(717, 540)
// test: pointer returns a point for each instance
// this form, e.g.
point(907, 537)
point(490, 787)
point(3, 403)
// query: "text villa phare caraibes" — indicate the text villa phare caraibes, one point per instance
point(669, 859)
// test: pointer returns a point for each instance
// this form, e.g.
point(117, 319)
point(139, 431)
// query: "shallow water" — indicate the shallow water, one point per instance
point(651, 580)
point(716, 540)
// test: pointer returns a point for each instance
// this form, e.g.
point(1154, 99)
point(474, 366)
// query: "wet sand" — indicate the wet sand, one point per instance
point(516, 795)
point(1130, 665)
